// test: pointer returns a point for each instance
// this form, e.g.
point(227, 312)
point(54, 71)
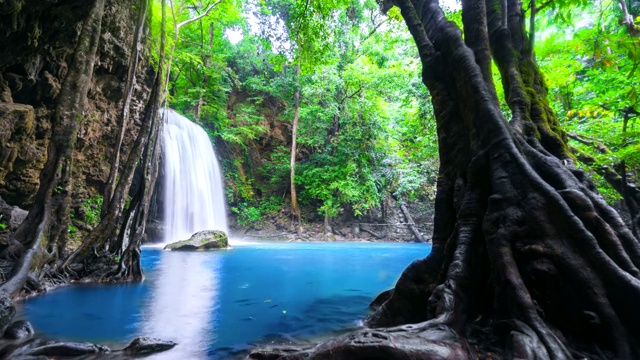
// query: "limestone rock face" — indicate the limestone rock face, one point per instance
point(40, 40)
point(21, 154)
point(203, 240)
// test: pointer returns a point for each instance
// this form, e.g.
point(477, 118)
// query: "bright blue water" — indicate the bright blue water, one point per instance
point(217, 304)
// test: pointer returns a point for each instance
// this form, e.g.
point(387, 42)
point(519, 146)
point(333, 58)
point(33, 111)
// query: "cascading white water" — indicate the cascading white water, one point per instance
point(193, 196)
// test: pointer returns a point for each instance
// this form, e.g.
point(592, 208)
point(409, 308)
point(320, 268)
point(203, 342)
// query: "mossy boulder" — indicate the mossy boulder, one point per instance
point(203, 240)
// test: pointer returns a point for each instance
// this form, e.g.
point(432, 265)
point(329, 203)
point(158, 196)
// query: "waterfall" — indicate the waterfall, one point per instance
point(193, 196)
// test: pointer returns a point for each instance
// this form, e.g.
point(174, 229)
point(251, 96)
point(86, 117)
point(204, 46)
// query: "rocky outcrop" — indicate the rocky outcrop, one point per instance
point(386, 223)
point(53, 349)
point(146, 346)
point(42, 38)
point(21, 154)
point(17, 342)
point(203, 240)
point(19, 330)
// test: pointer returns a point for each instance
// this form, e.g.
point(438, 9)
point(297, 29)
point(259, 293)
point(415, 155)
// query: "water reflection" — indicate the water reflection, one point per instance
point(183, 304)
point(216, 305)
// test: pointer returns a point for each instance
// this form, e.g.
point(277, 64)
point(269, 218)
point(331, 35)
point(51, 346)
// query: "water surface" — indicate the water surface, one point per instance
point(218, 304)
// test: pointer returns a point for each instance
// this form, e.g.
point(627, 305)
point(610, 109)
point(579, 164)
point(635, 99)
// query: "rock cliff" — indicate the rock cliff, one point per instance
point(40, 41)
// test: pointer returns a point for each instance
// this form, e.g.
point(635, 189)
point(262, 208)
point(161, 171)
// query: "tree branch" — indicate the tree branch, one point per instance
point(353, 94)
point(589, 142)
point(627, 20)
point(205, 13)
point(544, 5)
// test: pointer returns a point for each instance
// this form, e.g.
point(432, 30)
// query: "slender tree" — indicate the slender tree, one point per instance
point(295, 208)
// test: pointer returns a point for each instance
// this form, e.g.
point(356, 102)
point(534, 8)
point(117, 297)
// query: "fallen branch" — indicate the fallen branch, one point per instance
point(410, 223)
point(376, 235)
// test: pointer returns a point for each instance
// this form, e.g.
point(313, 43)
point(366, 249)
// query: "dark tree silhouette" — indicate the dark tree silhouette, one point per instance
point(528, 261)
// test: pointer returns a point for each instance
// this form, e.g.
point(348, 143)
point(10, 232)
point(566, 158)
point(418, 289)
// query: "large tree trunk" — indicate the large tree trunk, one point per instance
point(528, 261)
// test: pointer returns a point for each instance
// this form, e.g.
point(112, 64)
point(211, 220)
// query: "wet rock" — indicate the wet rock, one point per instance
point(146, 345)
point(5, 212)
point(7, 311)
point(17, 217)
point(275, 353)
point(67, 349)
point(19, 330)
point(381, 299)
point(5, 92)
point(203, 240)
point(154, 231)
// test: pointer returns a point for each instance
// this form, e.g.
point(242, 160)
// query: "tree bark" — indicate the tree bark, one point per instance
point(295, 209)
point(114, 225)
point(630, 192)
point(410, 223)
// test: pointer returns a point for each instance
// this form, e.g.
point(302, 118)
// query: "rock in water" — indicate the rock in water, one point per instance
point(67, 349)
point(203, 240)
point(18, 330)
point(146, 345)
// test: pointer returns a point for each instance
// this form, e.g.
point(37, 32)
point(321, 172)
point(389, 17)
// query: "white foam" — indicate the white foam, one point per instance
point(193, 196)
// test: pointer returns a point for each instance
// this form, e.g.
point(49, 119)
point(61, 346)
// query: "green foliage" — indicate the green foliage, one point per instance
point(365, 127)
point(592, 73)
point(72, 231)
point(250, 213)
point(247, 215)
point(92, 207)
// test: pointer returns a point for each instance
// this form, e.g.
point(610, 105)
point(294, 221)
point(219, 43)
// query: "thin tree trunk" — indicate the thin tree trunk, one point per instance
point(124, 115)
point(295, 209)
point(206, 56)
point(176, 32)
